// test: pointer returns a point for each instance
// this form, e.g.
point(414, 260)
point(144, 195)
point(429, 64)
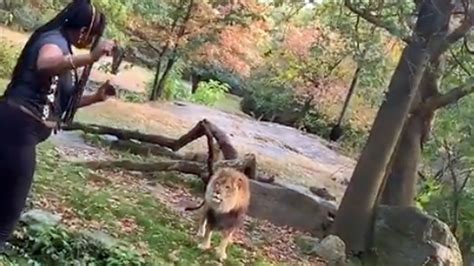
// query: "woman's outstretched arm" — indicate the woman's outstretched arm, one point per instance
point(52, 61)
point(104, 91)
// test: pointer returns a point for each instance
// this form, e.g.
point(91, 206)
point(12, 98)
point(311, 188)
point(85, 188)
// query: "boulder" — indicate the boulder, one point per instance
point(100, 238)
point(40, 217)
point(407, 236)
point(332, 249)
point(306, 243)
point(289, 205)
point(323, 193)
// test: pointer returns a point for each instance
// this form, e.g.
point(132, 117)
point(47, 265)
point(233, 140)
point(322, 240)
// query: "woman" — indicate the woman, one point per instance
point(39, 93)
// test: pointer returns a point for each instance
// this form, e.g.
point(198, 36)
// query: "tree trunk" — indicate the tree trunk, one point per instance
point(160, 87)
point(153, 95)
point(400, 187)
point(353, 222)
point(195, 79)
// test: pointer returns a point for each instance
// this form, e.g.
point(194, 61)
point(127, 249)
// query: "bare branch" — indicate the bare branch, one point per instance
point(143, 38)
point(450, 97)
point(460, 64)
point(466, 46)
point(375, 20)
point(466, 179)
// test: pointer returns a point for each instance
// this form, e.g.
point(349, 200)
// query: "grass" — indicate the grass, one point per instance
point(157, 231)
point(230, 104)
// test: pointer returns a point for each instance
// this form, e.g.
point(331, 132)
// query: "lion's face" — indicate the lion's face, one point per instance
point(225, 191)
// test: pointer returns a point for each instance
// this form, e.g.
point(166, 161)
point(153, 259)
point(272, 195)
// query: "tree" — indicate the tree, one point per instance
point(236, 56)
point(183, 28)
point(430, 38)
point(446, 189)
point(367, 48)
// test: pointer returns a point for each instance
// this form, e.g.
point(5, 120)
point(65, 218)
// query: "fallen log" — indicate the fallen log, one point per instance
point(187, 167)
point(122, 134)
point(144, 149)
point(201, 129)
point(165, 146)
point(246, 164)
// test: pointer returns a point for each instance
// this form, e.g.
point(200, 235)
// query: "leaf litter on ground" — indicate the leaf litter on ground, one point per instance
point(276, 243)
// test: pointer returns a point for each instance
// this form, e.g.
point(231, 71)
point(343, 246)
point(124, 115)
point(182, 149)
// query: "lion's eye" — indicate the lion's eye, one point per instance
point(227, 187)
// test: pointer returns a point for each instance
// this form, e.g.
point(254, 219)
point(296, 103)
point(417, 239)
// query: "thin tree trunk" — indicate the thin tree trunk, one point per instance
point(160, 87)
point(195, 79)
point(153, 95)
point(353, 222)
point(355, 79)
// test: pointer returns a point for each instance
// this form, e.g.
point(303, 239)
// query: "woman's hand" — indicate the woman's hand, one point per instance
point(103, 48)
point(105, 91)
point(102, 94)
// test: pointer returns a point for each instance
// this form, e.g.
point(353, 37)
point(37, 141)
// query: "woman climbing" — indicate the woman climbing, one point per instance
point(39, 96)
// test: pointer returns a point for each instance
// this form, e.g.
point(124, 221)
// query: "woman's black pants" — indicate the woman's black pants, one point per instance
point(19, 135)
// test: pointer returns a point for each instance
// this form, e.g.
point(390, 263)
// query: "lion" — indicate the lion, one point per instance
point(226, 202)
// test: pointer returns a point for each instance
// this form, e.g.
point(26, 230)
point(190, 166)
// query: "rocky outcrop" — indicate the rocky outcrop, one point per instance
point(291, 206)
point(406, 236)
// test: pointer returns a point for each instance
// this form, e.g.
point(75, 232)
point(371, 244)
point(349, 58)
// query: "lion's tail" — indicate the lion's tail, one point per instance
point(196, 207)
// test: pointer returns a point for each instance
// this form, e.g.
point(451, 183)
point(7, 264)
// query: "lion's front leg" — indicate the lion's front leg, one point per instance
point(226, 240)
point(206, 241)
point(202, 226)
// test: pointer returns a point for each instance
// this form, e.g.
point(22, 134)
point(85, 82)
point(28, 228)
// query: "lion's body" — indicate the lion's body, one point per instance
point(226, 202)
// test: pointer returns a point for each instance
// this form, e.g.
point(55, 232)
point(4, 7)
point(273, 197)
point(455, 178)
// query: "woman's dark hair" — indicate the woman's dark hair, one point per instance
point(76, 15)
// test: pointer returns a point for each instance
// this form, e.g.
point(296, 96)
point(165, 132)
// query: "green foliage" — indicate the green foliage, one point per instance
point(268, 99)
point(429, 191)
point(218, 73)
point(452, 133)
point(8, 57)
point(453, 129)
point(27, 18)
point(208, 93)
point(46, 245)
point(175, 87)
point(367, 46)
point(132, 97)
point(118, 14)
point(264, 98)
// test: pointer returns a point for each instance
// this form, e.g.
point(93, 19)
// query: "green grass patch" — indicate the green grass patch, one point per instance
point(162, 230)
point(229, 103)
